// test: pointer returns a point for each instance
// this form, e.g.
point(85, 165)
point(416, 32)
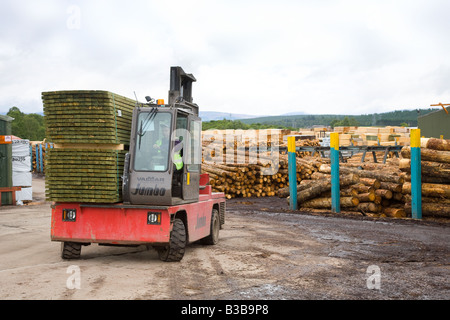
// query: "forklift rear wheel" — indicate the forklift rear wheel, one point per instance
point(177, 243)
point(70, 250)
point(213, 237)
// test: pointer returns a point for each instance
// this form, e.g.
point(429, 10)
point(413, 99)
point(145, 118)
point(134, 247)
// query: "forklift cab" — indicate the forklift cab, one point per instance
point(163, 165)
point(164, 158)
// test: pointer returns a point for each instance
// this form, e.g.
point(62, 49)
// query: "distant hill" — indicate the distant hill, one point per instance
point(295, 113)
point(393, 118)
point(213, 115)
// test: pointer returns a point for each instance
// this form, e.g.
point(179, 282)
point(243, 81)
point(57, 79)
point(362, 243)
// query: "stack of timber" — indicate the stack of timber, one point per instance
point(87, 117)
point(219, 146)
point(84, 175)
point(90, 131)
point(435, 168)
point(372, 136)
point(233, 139)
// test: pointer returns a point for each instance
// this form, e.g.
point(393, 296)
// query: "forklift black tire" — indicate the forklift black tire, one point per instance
point(213, 237)
point(70, 250)
point(175, 250)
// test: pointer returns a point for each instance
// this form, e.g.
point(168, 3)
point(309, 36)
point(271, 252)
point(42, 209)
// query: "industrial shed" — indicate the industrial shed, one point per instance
point(435, 124)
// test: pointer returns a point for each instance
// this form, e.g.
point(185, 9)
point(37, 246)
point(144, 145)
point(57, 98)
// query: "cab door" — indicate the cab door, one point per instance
point(192, 157)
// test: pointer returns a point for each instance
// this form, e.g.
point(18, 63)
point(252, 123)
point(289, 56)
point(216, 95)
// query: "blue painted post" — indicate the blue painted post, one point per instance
point(334, 155)
point(292, 170)
point(40, 159)
point(37, 157)
point(416, 175)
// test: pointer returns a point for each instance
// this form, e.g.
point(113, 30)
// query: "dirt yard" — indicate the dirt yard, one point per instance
point(264, 252)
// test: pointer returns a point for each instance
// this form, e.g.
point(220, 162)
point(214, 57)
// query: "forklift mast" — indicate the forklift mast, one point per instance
point(161, 137)
point(181, 88)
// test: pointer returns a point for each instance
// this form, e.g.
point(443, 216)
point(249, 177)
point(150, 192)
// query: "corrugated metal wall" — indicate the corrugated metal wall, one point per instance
point(435, 124)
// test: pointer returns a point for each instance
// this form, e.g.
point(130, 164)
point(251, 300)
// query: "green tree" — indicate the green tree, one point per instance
point(346, 122)
point(27, 126)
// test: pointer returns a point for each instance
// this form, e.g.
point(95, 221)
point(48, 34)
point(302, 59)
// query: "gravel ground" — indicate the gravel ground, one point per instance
point(265, 252)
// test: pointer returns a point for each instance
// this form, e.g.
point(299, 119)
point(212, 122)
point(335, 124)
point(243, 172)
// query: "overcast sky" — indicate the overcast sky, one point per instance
point(252, 57)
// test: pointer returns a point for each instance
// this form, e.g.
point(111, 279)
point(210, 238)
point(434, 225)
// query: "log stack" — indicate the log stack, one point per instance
point(385, 189)
point(267, 177)
point(90, 131)
point(368, 191)
point(435, 168)
point(241, 173)
point(372, 189)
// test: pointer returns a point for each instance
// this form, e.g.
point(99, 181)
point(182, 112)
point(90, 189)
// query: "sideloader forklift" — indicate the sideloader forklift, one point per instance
point(167, 202)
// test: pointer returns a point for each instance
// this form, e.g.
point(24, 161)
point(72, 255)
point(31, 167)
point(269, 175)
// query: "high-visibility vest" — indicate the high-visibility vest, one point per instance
point(177, 158)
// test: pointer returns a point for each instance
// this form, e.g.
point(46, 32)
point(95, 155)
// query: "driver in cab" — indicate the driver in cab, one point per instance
point(162, 144)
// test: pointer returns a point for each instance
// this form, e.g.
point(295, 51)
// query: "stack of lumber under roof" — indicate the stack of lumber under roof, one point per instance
point(91, 132)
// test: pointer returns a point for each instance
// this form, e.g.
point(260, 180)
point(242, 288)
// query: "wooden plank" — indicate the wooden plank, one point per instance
point(86, 151)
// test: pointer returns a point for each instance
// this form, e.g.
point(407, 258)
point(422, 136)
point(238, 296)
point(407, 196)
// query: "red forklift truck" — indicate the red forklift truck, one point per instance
point(167, 202)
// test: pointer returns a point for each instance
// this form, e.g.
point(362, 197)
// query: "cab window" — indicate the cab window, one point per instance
point(152, 141)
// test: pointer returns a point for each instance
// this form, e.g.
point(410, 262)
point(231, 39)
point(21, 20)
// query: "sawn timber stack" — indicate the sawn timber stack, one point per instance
point(91, 133)
point(87, 117)
point(84, 175)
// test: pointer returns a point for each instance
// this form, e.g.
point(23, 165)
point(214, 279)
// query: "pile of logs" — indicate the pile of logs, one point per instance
point(247, 174)
point(435, 168)
point(376, 190)
point(371, 189)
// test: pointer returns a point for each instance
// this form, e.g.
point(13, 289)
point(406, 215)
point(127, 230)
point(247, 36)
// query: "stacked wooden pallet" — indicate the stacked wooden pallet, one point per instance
point(90, 131)
point(84, 175)
point(87, 117)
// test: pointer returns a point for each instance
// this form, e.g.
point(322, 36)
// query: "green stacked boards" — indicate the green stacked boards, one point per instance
point(87, 117)
point(90, 131)
point(84, 175)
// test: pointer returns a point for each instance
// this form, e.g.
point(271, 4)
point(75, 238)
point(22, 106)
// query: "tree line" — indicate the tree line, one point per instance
point(238, 124)
point(406, 118)
point(27, 126)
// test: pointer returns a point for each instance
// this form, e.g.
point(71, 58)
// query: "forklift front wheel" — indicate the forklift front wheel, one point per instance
point(177, 243)
point(213, 237)
point(70, 250)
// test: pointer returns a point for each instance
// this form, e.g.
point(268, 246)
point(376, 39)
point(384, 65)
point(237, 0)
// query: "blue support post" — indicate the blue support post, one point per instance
point(335, 190)
point(41, 162)
point(416, 175)
point(292, 170)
